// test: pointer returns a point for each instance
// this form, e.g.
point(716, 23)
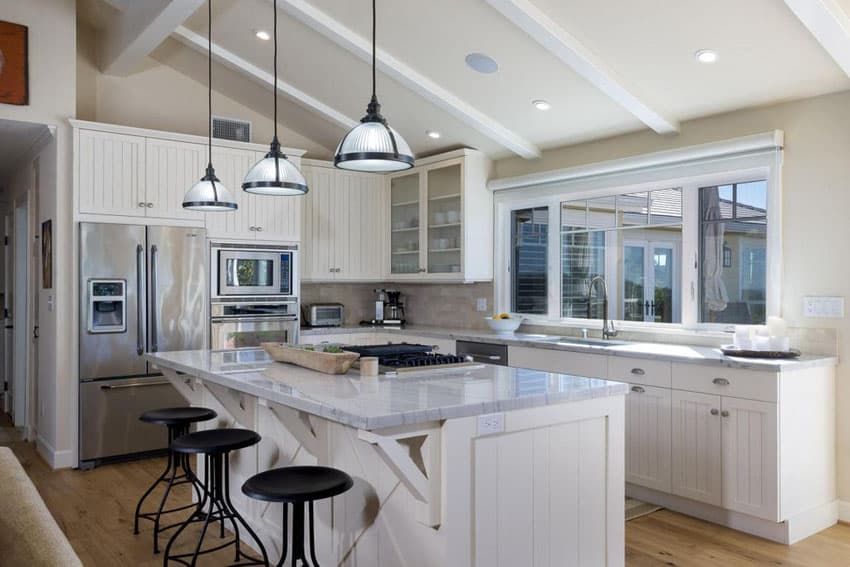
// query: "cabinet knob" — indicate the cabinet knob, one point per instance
point(142, 205)
point(150, 205)
point(252, 228)
point(638, 371)
point(638, 389)
point(721, 381)
point(259, 229)
point(724, 413)
point(715, 411)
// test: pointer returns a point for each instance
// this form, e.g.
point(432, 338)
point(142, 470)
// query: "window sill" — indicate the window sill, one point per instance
point(648, 332)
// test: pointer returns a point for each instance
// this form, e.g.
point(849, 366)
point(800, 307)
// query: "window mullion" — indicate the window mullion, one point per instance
point(554, 254)
point(690, 255)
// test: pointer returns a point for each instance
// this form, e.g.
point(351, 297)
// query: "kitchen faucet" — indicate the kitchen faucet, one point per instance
point(608, 332)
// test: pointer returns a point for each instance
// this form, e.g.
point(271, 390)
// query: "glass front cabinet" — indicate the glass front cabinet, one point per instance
point(441, 219)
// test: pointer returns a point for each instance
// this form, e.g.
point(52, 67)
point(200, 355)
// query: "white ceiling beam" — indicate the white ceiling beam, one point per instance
point(231, 60)
point(829, 23)
point(361, 47)
point(582, 60)
point(138, 29)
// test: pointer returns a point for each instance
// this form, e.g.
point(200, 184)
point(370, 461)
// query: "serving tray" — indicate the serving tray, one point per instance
point(326, 362)
point(730, 350)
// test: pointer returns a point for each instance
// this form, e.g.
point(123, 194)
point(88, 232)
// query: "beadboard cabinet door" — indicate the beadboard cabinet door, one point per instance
point(276, 218)
point(111, 173)
point(750, 456)
point(697, 455)
point(171, 168)
point(318, 225)
point(648, 437)
point(230, 167)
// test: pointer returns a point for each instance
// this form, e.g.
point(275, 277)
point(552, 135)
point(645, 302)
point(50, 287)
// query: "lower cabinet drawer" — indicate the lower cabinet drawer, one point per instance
point(748, 384)
point(640, 371)
point(561, 361)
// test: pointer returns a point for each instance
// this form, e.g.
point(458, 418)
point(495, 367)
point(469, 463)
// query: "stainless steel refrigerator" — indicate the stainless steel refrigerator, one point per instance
point(142, 289)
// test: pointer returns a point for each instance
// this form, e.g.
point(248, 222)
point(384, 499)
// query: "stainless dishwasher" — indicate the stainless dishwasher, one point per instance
point(483, 352)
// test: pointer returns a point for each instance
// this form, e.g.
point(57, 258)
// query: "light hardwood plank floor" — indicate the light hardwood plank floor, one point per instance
point(95, 510)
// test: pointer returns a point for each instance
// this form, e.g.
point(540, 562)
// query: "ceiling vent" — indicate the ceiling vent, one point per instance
point(231, 129)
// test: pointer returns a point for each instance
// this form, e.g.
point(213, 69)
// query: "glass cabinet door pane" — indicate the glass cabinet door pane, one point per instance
point(444, 219)
point(404, 222)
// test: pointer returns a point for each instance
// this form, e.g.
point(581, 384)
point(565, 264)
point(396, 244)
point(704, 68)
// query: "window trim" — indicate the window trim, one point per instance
point(721, 165)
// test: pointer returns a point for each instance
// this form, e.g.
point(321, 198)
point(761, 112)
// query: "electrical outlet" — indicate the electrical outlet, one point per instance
point(481, 304)
point(491, 423)
point(829, 307)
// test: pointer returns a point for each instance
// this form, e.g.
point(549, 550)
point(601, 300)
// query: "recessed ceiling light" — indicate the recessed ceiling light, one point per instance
point(706, 56)
point(541, 104)
point(482, 63)
point(433, 134)
point(263, 34)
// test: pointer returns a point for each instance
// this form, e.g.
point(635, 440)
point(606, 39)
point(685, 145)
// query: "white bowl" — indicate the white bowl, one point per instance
point(504, 325)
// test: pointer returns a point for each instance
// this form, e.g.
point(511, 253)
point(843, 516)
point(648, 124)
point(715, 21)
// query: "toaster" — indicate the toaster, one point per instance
point(325, 315)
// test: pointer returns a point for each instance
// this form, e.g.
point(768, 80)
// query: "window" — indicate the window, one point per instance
point(733, 227)
point(684, 250)
point(634, 241)
point(530, 244)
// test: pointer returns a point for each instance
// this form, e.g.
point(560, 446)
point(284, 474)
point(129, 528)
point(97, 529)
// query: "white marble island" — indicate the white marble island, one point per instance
point(483, 466)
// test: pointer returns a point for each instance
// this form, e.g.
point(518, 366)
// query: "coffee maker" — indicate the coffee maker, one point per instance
point(389, 309)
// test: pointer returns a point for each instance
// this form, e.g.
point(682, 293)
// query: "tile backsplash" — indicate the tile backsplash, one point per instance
point(442, 305)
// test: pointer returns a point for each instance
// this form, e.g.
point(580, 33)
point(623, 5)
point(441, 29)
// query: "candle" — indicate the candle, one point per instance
point(777, 327)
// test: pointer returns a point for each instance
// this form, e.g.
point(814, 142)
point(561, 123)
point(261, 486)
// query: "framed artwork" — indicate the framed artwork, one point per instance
point(14, 69)
point(47, 254)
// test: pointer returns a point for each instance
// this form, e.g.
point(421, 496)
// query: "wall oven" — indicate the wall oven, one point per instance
point(244, 270)
point(246, 324)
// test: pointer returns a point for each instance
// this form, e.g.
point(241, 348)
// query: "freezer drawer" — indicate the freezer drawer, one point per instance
point(109, 416)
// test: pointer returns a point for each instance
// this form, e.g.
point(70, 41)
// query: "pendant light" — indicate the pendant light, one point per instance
point(275, 174)
point(209, 194)
point(373, 145)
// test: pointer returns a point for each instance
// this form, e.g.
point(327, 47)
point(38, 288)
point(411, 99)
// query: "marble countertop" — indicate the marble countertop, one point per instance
point(386, 401)
point(656, 351)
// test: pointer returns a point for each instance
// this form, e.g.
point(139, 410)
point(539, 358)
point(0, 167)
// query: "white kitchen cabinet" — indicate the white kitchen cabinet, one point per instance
point(750, 457)
point(648, 437)
point(111, 173)
point(441, 220)
point(170, 169)
point(697, 460)
point(230, 166)
point(343, 225)
point(561, 361)
point(276, 218)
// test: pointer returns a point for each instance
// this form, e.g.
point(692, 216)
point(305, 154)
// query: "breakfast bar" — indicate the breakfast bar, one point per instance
point(483, 465)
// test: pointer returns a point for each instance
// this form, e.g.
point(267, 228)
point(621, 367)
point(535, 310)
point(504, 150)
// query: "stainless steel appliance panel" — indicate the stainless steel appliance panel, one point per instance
point(113, 251)
point(250, 332)
point(109, 416)
point(483, 352)
point(177, 298)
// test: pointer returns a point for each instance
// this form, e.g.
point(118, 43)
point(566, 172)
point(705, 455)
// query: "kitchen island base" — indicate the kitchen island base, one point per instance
point(546, 487)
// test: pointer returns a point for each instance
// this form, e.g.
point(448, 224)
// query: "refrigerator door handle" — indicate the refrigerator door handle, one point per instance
point(153, 304)
point(140, 313)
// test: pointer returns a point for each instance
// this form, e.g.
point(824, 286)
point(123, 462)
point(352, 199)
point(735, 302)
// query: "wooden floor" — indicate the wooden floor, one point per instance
point(95, 510)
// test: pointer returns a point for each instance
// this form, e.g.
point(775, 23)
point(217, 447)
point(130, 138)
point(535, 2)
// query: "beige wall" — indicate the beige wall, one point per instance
point(815, 205)
point(161, 98)
point(52, 82)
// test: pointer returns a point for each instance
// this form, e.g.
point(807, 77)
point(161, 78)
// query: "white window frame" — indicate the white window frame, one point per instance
point(750, 158)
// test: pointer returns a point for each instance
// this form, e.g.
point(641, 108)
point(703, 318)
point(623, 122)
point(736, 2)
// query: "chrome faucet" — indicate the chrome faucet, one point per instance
point(608, 330)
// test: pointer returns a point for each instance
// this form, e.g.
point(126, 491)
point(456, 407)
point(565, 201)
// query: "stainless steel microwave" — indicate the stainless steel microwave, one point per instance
point(244, 270)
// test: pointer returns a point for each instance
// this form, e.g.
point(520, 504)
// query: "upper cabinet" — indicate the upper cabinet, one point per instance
point(129, 172)
point(344, 225)
point(441, 220)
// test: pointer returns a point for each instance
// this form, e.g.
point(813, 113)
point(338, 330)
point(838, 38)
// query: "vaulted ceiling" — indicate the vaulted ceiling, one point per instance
point(606, 67)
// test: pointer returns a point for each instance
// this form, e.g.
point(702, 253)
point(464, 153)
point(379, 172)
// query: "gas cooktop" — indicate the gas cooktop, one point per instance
point(404, 357)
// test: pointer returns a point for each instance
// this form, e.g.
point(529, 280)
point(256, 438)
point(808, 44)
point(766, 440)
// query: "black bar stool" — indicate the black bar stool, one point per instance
point(297, 485)
point(215, 445)
point(178, 470)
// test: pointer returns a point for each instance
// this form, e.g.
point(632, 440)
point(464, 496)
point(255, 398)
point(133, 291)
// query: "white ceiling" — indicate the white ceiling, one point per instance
point(765, 55)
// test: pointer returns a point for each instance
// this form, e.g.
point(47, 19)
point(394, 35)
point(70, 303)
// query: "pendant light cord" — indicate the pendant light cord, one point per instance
point(209, 79)
point(374, 91)
point(274, 88)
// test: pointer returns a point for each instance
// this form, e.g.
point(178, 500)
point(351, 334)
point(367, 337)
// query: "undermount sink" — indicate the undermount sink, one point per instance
point(581, 341)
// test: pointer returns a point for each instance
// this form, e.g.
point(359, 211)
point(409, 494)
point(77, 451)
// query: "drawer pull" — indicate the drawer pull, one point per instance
point(638, 371)
point(721, 381)
point(638, 389)
point(724, 413)
point(714, 411)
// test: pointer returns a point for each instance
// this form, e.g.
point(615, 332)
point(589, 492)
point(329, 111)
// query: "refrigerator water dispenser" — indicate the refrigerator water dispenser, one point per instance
point(107, 306)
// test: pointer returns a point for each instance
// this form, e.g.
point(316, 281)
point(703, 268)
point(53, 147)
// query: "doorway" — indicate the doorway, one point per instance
point(651, 288)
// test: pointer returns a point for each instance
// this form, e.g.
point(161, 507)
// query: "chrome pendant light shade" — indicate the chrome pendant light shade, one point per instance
point(209, 194)
point(373, 145)
point(275, 174)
